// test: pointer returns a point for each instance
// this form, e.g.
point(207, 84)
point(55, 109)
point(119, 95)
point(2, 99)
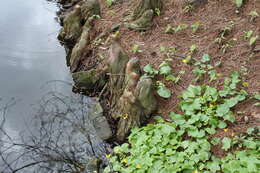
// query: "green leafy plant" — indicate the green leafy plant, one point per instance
point(203, 67)
point(150, 70)
point(168, 52)
point(173, 78)
point(165, 69)
point(238, 3)
point(228, 45)
point(109, 2)
point(157, 11)
point(254, 14)
point(222, 35)
point(195, 26)
point(249, 36)
point(162, 90)
point(183, 145)
point(188, 8)
point(192, 50)
point(253, 40)
point(257, 97)
point(227, 143)
point(178, 28)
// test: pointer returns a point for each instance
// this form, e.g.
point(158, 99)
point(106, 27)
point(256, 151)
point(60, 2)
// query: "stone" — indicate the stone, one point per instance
point(100, 122)
point(89, 80)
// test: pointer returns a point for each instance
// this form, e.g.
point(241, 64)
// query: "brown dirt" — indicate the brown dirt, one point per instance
point(213, 17)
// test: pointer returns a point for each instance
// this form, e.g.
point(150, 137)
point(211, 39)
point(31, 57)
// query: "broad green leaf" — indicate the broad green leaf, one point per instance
point(165, 70)
point(234, 80)
point(257, 104)
point(250, 131)
point(253, 13)
point(222, 110)
point(159, 119)
point(170, 78)
point(215, 141)
point(191, 92)
point(177, 118)
point(250, 144)
point(210, 131)
point(212, 75)
point(164, 92)
point(226, 143)
point(149, 69)
point(229, 116)
point(238, 3)
point(196, 133)
point(222, 124)
point(213, 166)
point(257, 96)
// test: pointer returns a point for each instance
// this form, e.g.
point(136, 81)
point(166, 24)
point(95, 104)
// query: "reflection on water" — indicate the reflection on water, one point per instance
point(30, 56)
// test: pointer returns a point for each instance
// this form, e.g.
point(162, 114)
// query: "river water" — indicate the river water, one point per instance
point(30, 57)
point(32, 62)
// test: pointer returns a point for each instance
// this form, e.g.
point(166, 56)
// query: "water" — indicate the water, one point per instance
point(32, 66)
point(30, 57)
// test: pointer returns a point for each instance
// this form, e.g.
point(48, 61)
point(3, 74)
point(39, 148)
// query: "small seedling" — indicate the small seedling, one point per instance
point(248, 34)
point(173, 78)
point(169, 29)
point(193, 48)
point(136, 49)
point(111, 12)
point(109, 3)
point(228, 45)
point(203, 67)
point(253, 40)
point(195, 26)
point(224, 32)
point(168, 52)
point(188, 8)
point(254, 14)
point(157, 11)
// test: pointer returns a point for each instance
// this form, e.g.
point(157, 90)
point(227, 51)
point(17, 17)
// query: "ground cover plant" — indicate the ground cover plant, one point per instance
point(203, 58)
point(184, 144)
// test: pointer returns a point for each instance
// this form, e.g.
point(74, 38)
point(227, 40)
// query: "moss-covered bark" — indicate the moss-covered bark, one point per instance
point(144, 5)
point(133, 99)
point(143, 14)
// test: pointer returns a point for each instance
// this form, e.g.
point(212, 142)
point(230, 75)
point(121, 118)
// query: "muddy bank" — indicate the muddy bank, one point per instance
point(100, 66)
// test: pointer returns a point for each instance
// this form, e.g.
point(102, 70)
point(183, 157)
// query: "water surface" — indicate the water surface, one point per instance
point(30, 57)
